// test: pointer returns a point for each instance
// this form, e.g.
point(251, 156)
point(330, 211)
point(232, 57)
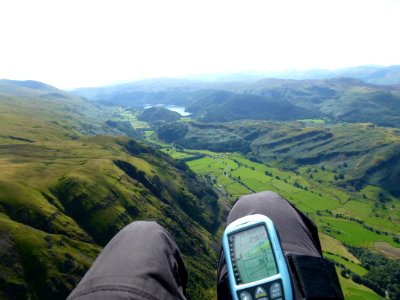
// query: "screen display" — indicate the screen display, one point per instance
point(252, 256)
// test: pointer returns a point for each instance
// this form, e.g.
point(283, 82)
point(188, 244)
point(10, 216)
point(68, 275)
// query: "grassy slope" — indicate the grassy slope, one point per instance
point(63, 195)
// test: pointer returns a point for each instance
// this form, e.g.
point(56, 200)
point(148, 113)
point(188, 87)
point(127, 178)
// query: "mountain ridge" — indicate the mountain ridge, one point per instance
point(386, 75)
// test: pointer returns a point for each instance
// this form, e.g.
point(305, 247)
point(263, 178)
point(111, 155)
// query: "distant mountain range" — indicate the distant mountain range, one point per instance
point(371, 74)
point(339, 99)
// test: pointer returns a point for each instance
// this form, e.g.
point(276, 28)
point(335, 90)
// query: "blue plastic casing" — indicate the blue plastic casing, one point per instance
point(246, 223)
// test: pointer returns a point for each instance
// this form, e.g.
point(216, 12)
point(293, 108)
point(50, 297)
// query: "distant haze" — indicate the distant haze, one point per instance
point(86, 43)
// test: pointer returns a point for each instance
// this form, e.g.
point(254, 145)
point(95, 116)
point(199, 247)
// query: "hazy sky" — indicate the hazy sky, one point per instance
point(70, 43)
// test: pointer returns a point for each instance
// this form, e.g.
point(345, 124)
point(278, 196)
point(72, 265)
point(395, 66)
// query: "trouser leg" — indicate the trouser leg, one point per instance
point(141, 262)
point(297, 233)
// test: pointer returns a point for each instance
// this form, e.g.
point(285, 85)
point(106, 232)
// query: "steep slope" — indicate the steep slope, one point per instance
point(64, 192)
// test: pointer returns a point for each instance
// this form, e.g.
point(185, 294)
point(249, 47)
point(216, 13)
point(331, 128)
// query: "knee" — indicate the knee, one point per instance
point(261, 198)
point(143, 228)
point(266, 203)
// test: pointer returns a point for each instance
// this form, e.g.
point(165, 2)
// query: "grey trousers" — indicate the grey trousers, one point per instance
point(143, 261)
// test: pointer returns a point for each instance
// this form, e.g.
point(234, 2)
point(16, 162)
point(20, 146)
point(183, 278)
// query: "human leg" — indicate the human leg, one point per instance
point(141, 262)
point(299, 240)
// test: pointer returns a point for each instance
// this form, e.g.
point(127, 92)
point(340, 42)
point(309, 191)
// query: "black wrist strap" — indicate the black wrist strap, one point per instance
point(313, 278)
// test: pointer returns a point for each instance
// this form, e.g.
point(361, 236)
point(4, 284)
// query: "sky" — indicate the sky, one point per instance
point(69, 43)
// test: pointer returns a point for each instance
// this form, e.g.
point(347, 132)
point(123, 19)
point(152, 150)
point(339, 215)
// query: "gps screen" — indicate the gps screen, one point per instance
point(252, 256)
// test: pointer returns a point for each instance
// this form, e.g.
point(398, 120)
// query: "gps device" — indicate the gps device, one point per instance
point(254, 259)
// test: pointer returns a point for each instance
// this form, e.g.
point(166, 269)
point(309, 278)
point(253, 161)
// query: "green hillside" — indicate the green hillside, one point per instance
point(65, 191)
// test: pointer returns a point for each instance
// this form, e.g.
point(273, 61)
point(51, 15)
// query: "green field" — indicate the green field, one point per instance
point(356, 268)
